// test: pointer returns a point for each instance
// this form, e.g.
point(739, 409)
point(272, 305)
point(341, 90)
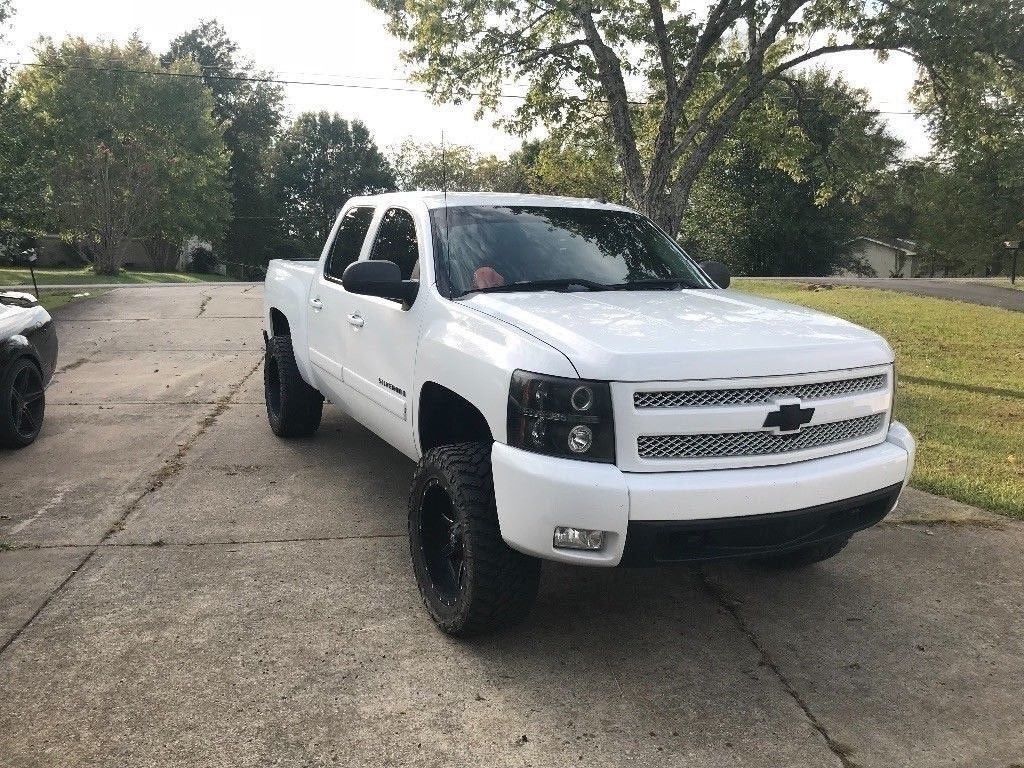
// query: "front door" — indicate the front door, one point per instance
point(383, 335)
point(330, 304)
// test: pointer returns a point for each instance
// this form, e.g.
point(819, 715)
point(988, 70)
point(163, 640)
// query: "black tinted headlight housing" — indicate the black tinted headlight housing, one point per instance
point(570, 418)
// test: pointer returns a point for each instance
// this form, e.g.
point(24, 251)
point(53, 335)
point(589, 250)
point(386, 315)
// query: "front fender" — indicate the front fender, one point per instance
point(17, 346)
point(474, 355)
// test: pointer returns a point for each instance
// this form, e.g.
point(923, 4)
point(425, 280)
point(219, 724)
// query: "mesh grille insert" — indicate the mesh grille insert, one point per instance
point(703, 398)
point(762, 443)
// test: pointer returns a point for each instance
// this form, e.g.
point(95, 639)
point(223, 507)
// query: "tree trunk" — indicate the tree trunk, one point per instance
point(107, 260)
point(669, 210)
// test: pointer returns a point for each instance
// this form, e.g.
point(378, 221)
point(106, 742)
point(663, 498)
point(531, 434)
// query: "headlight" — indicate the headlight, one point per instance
point(571, 418)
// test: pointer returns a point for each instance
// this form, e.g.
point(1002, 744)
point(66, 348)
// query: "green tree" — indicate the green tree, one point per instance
point(427, 166)
point(972, 199)
point(763, 215)
point(130, 150)
point(248, 109)
point(21, 185)
point(580, 164)
point(457, 168)
point(670, 84)
point(323, 160)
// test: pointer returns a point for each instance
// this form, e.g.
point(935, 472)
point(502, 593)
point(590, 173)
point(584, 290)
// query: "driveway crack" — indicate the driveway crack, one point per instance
point(202, 305)
point(728, 603)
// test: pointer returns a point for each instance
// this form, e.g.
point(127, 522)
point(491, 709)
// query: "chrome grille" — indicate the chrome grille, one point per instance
point(704, 398)
point(762, 443)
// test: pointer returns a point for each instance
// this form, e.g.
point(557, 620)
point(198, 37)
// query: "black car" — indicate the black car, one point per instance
point(28, 355)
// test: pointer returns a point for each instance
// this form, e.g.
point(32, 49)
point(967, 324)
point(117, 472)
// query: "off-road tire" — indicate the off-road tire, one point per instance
point(294, 408)
point(801, 558)
point(497, 585)
point(24, 376)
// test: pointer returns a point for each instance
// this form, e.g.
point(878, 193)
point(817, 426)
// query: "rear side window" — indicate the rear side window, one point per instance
point(348, 242)
point(396, 241)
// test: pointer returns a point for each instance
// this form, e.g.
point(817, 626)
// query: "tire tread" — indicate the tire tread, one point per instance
point(504, 581)
point(301, 404)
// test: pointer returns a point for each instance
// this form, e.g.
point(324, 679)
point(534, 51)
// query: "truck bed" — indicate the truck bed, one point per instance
point(287, 290)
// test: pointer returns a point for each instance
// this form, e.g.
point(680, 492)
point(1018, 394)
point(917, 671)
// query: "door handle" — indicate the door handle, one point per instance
point(316, 304)
point(355, 319)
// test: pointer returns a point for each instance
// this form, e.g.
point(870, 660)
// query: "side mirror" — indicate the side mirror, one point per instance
point(379, 278)
point(718, 272)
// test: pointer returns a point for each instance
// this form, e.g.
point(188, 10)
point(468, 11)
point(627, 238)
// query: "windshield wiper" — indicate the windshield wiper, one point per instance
point(639, 285)
point(543, 285)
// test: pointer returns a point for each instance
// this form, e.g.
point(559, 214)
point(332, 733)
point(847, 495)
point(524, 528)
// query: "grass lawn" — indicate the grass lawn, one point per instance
point(960, 369)
point(85, 275)
point(1002, 282)
point(51, 299)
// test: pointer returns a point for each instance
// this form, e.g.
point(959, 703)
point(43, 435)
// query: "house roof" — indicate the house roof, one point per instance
point(909, 247)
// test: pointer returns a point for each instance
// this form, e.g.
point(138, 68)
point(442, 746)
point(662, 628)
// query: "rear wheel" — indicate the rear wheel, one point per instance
point(24, 403)
point(294, 408)
point(470, 580)
point(801, 558)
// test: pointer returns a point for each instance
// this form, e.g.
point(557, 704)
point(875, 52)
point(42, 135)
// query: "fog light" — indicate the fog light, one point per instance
point(578, 538)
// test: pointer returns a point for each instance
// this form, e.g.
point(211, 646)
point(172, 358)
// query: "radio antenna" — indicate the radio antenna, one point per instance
point(447, 234)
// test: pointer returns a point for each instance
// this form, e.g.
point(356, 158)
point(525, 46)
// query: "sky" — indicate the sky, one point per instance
point(346, 41)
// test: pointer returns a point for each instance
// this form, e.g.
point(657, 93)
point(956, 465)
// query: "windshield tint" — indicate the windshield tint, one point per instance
point(496, 247)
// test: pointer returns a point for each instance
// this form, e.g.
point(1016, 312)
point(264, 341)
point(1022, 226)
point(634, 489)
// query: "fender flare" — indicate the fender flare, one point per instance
point(16, 346)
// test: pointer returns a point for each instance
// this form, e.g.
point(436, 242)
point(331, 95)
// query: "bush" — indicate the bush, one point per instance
point(202, 259)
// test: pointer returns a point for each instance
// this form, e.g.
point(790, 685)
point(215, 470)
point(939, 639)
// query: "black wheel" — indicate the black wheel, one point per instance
point(471, 581)
point(24, 403)
point(293, 407)
point(801, 558)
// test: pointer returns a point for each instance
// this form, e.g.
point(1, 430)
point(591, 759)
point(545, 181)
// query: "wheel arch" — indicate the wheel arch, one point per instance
point(278, 322)
point(18, 346)
point(445, 417)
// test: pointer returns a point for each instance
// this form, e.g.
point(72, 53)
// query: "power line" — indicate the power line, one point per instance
point(327, 84)
point(232, 70)
point(247, 78)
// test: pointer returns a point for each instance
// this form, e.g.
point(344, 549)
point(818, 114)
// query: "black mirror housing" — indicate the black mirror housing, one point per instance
point(718, 272)
point(379, 278)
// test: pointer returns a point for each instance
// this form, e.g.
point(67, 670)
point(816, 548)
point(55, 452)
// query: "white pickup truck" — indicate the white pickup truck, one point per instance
point(575, 388)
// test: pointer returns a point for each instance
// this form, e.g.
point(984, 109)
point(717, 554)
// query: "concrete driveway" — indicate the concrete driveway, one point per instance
point(970, 290)
point(178, 587)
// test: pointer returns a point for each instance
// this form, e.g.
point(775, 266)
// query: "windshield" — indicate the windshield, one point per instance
point(481, 248)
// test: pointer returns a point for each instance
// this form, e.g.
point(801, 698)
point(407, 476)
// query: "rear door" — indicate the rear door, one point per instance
point(383, 335)
point(329, 303)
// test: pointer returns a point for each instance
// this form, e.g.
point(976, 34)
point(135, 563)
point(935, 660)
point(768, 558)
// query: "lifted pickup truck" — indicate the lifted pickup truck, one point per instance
point(575, 388)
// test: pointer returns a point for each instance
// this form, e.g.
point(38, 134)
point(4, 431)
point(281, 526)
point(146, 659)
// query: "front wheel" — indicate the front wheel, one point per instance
point(470, 580)
point(24, 403)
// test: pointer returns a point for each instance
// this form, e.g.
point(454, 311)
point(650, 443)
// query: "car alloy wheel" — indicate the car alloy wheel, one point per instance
point(442, 543)
point(27, 402)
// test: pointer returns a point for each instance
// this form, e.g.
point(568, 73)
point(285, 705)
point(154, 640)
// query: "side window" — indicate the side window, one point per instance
point(348, 242)
point(396, 241)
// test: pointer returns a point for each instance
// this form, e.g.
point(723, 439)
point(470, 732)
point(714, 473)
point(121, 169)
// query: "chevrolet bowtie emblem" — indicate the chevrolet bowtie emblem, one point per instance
point(789, 418)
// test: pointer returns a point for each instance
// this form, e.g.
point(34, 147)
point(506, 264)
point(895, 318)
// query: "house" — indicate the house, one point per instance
point(898, 258)
point(54, 252)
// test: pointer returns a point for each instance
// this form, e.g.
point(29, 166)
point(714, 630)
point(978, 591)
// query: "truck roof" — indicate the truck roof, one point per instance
point(435, 199)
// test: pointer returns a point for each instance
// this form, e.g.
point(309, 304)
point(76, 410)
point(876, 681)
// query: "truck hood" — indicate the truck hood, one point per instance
point(688, 334)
